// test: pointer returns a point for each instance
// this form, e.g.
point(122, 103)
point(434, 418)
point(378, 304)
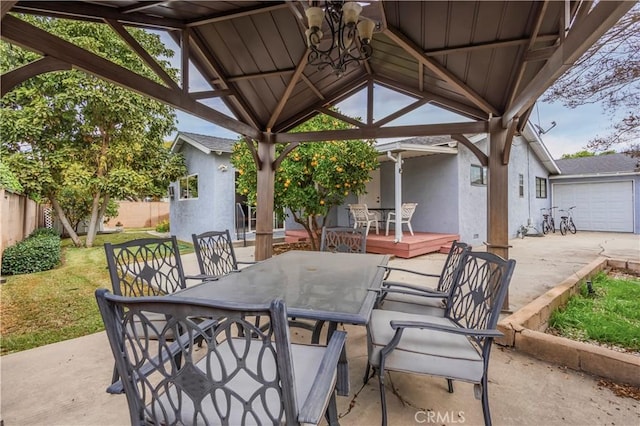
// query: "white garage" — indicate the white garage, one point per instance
point(600, 206)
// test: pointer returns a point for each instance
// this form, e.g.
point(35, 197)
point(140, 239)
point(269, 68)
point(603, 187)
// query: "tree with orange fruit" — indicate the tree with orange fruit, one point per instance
point(314, 177)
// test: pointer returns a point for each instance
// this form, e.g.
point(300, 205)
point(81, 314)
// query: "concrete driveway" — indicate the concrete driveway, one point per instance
point(64, 383)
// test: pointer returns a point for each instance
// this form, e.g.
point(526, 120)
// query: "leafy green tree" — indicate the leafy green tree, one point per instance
point(8, 179)
point(314, 177)
point(74, 139)
point(585, 153)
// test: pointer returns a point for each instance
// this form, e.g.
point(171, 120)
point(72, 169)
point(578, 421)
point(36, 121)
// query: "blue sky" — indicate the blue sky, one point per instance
point(574, 127)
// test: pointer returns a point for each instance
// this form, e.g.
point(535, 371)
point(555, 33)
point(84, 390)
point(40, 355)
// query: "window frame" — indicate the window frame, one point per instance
point(187, 178)
point(541, 190)
point(521, 185)
point(482, 175)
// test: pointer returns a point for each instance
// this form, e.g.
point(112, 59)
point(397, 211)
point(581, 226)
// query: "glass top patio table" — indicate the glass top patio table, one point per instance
point(336, 287)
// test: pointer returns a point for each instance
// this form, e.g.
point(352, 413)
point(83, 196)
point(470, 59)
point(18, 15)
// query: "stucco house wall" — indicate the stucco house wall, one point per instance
point(214, 209)
point(449, 203)
point(430, 181)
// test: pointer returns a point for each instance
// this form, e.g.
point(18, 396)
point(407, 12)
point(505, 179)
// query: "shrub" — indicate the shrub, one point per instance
point(44, 232)
point(34, 254)
point(163, 226)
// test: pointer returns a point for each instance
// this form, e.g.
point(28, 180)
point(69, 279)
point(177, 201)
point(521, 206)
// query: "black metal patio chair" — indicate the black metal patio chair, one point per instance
point(144, 267)
point(415, 298)
point(215, 254)
point(242, 374)
point(343, 240)
point(456, 346)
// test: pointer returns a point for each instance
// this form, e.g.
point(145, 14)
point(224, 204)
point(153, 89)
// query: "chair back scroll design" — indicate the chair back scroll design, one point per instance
point(451, 265)
point(343, 240)
point(215, 253)
point(481, 286)
point(231, 381)
point(400, 296)
point(145, 267)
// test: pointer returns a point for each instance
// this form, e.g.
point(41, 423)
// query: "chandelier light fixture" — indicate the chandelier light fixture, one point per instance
point(350, 39)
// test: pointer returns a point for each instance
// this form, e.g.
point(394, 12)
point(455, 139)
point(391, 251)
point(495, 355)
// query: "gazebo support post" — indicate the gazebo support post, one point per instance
point(264, 199)
point(498, 192)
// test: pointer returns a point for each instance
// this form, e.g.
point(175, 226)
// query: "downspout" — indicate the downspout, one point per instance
point(398, 193)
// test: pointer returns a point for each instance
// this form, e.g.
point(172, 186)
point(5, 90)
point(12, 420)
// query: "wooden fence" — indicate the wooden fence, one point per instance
point(134, 214)
point(19, 216)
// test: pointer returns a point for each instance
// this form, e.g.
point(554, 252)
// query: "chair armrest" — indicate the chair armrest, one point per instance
point(424, 274)
point(388, 286)
point(202, 277)
point(398, 325)
point(314, 407)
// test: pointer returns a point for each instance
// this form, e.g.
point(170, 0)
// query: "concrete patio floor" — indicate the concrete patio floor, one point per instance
point(64, 383)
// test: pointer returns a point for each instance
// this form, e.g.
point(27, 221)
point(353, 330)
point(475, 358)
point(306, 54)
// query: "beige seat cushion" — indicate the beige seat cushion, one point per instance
point(413, 304)
point(424, 351)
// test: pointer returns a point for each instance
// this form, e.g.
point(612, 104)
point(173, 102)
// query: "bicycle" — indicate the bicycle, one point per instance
point(566, 222)
point(548, 224)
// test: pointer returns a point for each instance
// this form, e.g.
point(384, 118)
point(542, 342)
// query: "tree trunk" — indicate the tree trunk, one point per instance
point(95, 205)
point(65, 222)
point(93, 221)
point(306, 224)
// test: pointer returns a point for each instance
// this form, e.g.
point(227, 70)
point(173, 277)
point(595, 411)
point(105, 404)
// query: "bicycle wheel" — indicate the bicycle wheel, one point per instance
point(545, 227)
point(571, 226)
point(552, 224)
point(563, 227)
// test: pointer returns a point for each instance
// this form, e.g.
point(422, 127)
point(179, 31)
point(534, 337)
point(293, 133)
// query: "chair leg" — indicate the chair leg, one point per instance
point(331, 415)
point(386, 227)
point(410, 228)
point(383, 399)
point(366, 377)
point(116, 386)
point(485, 402)
point(367, 231)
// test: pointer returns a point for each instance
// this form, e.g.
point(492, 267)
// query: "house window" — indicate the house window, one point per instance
point(189, 187)
point(521, 185)
point(541, 187)
point(478, 175)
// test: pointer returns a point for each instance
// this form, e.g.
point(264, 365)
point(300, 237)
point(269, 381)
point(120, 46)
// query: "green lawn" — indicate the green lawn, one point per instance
point(47, 307)
point(611, 315)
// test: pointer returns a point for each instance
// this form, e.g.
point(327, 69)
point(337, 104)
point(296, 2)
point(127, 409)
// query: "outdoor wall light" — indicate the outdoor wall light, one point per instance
point(171, 192)
point(340, 49)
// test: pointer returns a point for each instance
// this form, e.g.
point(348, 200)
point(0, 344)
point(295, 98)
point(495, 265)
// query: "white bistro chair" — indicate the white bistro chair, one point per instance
point(407, 210)
point(363, 217)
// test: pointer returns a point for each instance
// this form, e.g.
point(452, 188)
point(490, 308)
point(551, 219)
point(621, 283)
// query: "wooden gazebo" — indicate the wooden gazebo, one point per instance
point(488, 61)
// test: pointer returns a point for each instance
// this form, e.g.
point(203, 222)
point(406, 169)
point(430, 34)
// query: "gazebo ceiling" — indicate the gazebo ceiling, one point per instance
point(477, 58)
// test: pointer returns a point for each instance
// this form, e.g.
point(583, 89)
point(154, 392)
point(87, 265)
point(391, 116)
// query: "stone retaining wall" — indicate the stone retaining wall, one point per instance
point(524, 330)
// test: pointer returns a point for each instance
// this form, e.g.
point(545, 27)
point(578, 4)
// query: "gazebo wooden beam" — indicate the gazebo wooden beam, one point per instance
point(384, 132)
point(40, 66)
point(238, 13)
point(410, 47)
point(93, 12)
point(582, 35)
point(25, 35)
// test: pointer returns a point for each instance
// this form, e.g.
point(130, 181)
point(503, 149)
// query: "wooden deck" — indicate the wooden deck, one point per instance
point(410, 246)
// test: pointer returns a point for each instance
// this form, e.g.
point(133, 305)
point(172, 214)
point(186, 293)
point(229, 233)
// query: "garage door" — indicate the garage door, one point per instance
point(605, 206)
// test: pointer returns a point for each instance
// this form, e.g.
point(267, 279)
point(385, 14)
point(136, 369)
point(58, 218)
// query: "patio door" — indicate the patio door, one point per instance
point(372, 196)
